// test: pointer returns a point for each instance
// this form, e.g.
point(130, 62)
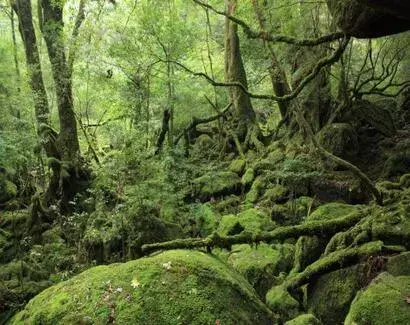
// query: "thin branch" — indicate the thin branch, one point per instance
point(326, 61)
point(74, 35)
point(252, 34)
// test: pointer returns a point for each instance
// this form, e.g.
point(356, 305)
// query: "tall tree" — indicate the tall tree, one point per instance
point(235, 72)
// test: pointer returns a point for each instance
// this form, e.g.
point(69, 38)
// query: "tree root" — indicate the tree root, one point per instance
point(338, 260)
point(323, 229)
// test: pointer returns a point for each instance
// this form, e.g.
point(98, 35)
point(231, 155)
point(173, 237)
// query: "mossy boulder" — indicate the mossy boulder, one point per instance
point(384, 301)
point(8, 190)
point(340, 139)
point(251, 220)
point(261, 264)
point(276, 193)
point(399, 264)
point(174, 287)
point(397, 163)
point(329, 297)
point(248, 177)
point(216, 184)
point(280, 301)
point(305, 319)
point(333, 210)
point(256, 190)
point(237, 166)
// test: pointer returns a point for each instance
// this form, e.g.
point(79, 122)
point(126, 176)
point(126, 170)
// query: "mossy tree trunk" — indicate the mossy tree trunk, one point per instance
point(235, 72)
point(51, 24)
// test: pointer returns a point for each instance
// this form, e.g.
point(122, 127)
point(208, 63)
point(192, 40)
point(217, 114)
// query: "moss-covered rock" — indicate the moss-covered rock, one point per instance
point(8, 190)
point(332, 210)
point(215, 184)
point(276, 193)
point(237, 166)
point(256, 189)
point(175, 287)
point(261, 264)
point(330, 296)
point(248, 177)
point(397, 163)
point(305, 319)
point(399, 264)
point(251, 220)
point(383, 302)
point(340, 139)
point(280, 301)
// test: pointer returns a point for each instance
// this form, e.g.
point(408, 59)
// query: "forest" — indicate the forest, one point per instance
point(205, 162)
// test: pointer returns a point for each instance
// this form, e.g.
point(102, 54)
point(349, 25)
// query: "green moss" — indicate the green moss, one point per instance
point(275, 193)
point(330, 296)
point(397, 164)
point(8, 190)
point(305, 319)
point(261, 264)
point(307, 250)
point(332, 210)
point(248, 177)
point(215, 184)
point(237, 166)
point(405, 181)
point(281, 302)
point(399, 264)
point(383, 302)
point(175, 287)
point(257, 187)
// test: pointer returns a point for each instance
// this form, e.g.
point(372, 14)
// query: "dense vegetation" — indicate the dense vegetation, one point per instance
point(248, 161)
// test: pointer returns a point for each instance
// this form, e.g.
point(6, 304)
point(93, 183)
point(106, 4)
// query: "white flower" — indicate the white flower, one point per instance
point(167, 265)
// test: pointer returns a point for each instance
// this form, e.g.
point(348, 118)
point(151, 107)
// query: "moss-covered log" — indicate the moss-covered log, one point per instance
point(324, 229)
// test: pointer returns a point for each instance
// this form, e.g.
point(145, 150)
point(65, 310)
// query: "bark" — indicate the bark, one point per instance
point(324, 229)
point(235, 72)
point(164, 130)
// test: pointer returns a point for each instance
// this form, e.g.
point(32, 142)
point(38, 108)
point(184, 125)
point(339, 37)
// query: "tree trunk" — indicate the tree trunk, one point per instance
point(51, 24)
point(235, 72)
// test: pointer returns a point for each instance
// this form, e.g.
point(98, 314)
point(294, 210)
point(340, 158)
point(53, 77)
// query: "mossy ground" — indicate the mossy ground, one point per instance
point(175, 287)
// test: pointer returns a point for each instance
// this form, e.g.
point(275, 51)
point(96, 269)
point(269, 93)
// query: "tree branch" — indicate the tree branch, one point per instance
point(197, 121)
point(324, 229)
point(252, 34)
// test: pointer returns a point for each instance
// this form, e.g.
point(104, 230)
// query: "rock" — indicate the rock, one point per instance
point(305, 319)
point(383, 302)
point(8, 190)
point(251, 220)
point(216, 184)
point(329, 297)
point(399, 264)
point(397, 163)
point(276, 193)
point(248, 177)
point(256, 190)
point(237, 166)
point(375, 115)
point(261, 264)
point(339, 186)
point(174, 287)
point(280, 301)
point(340, 139)
point(370, 19)
point(332, 210)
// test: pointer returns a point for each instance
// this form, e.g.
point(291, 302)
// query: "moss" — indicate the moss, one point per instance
point(257, 187)
point(405, 181)
point(215, 184)
point(237, 166)
point(281, 302)
point(227, 205)
point(206, 220)
point(248, 177)
point(397, 164)
point(383, 302)
point(340, 139)
point(330, 296)
point(8, 190)
point(305, 319)
point(261, 264)
point(399, 264)
point(175, 287)
point(251, 220)
point(307, 250)
point(332, 210)
point(276, 193)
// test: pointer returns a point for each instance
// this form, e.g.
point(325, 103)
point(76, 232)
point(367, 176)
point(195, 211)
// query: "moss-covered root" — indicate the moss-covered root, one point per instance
point(384, 302)
point(175, 287)
point(323, 229)
point(338, 260)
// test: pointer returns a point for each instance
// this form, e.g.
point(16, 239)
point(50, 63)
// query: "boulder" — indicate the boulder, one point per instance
point(305, 319)
point(384, 301)
point(340, 139)
point(174, 287)
point(216, 184)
